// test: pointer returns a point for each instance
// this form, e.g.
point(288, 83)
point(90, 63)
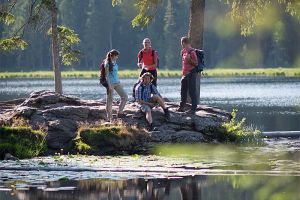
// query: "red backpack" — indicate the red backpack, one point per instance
point(102, 77)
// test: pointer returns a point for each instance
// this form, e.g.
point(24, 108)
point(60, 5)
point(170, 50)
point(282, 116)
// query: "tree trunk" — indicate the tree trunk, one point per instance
point(196, 30)
point(55, 49)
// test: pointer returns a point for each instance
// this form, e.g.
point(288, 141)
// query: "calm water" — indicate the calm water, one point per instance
point(198, 187)
point(269, 172)
point(271, 104)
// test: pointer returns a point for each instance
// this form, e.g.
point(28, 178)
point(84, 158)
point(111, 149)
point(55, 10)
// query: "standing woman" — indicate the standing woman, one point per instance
point(148, 60)
point(113, 83)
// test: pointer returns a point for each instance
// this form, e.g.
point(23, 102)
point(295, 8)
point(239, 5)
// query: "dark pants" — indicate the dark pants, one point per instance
point(188, 83)
point(154, 74)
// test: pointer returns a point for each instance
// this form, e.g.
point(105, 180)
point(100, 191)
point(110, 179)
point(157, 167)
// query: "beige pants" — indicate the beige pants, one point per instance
point(109, 99)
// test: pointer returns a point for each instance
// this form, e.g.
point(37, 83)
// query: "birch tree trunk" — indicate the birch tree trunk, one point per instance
point(55, 49)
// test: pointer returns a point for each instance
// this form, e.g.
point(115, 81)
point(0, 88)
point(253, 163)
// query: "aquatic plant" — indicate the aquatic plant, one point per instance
point(236, 131)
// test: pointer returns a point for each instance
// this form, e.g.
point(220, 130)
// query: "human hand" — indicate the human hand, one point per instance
point(140, 65)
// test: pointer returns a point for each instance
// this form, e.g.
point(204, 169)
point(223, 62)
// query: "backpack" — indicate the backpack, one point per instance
point(134, 88)
point(102, 77)
point(153, 51)
point(200, 57)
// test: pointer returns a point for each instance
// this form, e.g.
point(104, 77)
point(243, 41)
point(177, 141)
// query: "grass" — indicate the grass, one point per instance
point(22, 142)
point(274, 72)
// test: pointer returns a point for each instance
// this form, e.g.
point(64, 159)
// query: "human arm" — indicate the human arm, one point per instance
point(106, 66)
point(192, 58)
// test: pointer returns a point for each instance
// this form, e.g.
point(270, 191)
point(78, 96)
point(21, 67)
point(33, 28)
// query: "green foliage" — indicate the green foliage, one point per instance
point(259, 13)
point(67, 38)
point(13, 43)
point(7, 18)
point(22, 142)
point(236, 131)
point(116, 2)
point(147, 10)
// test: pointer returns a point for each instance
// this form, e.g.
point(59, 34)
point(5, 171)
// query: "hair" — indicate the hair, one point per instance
point(147, 74)
point(185, 40)
point(109, 54)
point(146, 39)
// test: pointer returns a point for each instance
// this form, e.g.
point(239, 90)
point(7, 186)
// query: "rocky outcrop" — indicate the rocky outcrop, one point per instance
point(61, 116)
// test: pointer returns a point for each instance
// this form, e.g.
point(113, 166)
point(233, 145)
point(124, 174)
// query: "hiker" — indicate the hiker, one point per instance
point(189, 76)
point(148, 60)
point(148, 97)
point(112, 83)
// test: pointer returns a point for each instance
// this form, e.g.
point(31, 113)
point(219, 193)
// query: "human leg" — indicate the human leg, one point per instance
point(123, 95)
point(154, 74)
point(183, 93)
point(161, 102)
point(109, 99)
point(147, 110)
point(192, 77)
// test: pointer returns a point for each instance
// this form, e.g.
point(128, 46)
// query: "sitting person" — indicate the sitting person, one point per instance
point(147, 96)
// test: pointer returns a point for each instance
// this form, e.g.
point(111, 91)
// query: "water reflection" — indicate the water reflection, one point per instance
point(189, 188)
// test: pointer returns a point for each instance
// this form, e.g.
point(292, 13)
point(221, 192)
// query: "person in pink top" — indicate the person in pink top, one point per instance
point(189, 75)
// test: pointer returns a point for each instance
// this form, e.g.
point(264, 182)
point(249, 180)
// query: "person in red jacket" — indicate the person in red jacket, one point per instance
point(188, 81)
point(148, 60)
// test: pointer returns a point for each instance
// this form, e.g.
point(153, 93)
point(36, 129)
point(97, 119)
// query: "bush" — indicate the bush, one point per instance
point(236, 131)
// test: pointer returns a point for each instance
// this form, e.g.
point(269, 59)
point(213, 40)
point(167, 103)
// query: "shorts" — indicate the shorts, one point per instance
point(145, 108)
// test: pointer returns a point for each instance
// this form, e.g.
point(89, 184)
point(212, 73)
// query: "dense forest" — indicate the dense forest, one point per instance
point(102, 27)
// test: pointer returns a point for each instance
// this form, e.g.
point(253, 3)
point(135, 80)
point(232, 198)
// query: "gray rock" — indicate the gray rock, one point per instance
point(62, 115)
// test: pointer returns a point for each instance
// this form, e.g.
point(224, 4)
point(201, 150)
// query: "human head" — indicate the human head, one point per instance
point(147, 43)
point(185, 42)
point(147, 78)
point(111, 55)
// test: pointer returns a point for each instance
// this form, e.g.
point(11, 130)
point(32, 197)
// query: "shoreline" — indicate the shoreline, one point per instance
point(259, 72)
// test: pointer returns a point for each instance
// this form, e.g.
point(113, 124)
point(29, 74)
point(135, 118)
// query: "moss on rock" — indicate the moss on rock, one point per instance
point(22, 142)
point(105, 139)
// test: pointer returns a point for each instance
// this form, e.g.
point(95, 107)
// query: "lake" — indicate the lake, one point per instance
point(270, 104)
point(214, 172)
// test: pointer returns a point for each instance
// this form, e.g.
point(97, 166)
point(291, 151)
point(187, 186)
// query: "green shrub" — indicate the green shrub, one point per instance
point(236, 131)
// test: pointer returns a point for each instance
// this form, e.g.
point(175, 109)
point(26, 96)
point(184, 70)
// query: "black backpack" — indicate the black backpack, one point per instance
point(134, 88)
point(153, 51)
point(200, 58)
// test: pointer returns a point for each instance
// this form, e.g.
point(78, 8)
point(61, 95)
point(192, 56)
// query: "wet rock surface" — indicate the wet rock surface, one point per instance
point(62, 115)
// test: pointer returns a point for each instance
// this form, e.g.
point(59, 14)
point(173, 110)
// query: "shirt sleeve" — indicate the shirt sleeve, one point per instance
point(194, 56)
point(155, 91)
point(138, 92)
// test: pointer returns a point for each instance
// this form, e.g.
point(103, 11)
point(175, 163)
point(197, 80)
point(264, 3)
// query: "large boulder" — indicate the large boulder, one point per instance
point(61, 116)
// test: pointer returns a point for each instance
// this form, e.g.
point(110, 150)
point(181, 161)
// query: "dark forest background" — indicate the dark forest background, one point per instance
point(276, 43)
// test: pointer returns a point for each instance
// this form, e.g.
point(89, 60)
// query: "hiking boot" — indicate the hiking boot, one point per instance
point(191, 111)
point(167, 113)
point(180, 109)
point(152, 128)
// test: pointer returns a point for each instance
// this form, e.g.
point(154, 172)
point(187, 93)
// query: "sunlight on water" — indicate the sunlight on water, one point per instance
point(237, 91)
point(268, 103)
